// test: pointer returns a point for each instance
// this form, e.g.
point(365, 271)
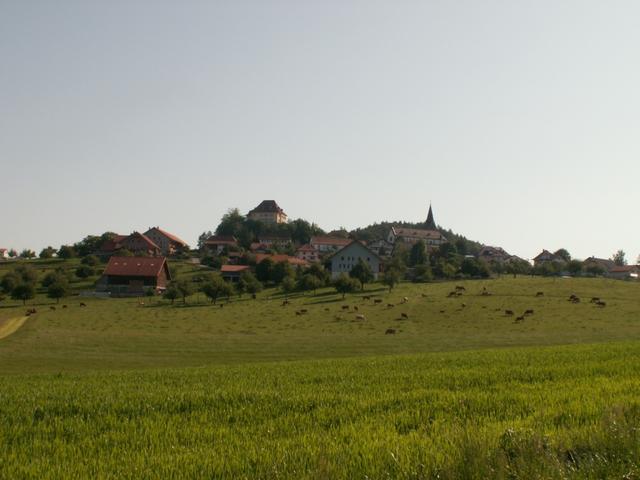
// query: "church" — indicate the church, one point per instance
point(429, 234)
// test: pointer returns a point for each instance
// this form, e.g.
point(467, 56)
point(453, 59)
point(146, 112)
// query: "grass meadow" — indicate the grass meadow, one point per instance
point(117, 389)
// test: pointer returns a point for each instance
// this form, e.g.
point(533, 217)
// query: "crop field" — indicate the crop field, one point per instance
point(120, 389)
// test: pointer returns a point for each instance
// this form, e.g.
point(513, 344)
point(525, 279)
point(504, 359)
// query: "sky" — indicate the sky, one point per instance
point(518, 120)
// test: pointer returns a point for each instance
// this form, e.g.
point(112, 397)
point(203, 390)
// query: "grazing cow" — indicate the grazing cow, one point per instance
point(405, 299)
point(141, 304)
point(345, 307)
point(253, 296)
point(303, 310)
point(424, 295)
point(298, 313)
point(366, 297)
point(405, 316)
point(222, 305)
point(594, 300)
point(574, 299)
point(441, 311)
point(285, 302)
point(390, 305)
point(327, 309)
point(83, 304)
point(520, 318)
point(600, 303)
point(377, 300)
point(355, 307)
point(360, 317)
point(64, 306)
point(460, 288)
point(529, 312)
point(539, 294)
point(508, 312)
point(463, 305)
point(52, 307)
point(451, 294)
point(390, 331)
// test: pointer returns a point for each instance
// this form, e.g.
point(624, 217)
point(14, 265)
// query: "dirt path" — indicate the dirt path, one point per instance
point(10, 326)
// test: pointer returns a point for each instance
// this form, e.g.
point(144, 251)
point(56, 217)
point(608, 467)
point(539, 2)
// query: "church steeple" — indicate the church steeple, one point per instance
point(430, 224)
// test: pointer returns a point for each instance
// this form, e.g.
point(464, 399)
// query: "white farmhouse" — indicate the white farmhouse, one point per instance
point(347, 257)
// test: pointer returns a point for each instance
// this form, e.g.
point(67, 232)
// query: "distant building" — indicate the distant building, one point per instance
point(232, 273)
point(625, 272)
point(603, 263)
point(328, 244)
point(4, 253)
point(493, 254)
point(268, 212)
point(168, 243)
point(132, 276)
point(430, 234)
point(546, 257)
point(217, 243)
point(308, 253)
point(139, 244)
point(348, 257)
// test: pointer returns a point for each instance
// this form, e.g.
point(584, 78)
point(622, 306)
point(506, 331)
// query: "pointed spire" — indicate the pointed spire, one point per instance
point(430, 224)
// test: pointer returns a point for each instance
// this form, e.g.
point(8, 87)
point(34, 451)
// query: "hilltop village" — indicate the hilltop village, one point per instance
point(264, 247)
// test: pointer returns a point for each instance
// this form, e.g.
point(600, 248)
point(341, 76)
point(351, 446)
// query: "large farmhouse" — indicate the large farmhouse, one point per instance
point(167, 242)
point(132, 276)
point(348, 257)
point(268, 212)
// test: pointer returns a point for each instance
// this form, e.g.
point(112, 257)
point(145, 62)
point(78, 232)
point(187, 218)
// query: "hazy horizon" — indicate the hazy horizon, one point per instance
point(516, 120)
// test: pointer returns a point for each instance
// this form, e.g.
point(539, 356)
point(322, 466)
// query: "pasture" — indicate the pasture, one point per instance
point(255, 389)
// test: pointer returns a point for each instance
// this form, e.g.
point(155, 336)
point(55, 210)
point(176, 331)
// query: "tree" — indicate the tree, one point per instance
point(58, 290)
point(422, 273)
point(12, 253)
point(231, 223)
point(253, 285)
point(47, 252)
point(619, 258)
point(418, 254)
point(280, 271)
point(345, 284)
point(317, 270)
point(23, 291)
point(184, 288)
point(217, 287)
point(574, 267)
point(517, 266)
point(264, 270)
point(26, 253)
point(9, 281)
point(57, 275)
point(171, 293)
point(66, 252)
point(391, 277)
point(26, 274)
point(361, 271)
point(90, 260)
point(309, 282)
point(84, 271)
point(288, 285)
point(474, 268)
point(595, 270)
point(564, 254)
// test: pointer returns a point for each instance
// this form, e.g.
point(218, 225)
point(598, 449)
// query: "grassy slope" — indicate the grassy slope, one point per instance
point(120, 333)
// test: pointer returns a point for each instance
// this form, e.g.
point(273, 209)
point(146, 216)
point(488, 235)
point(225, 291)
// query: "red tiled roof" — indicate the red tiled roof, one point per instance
point(113, 244)
point(233, 268)
point(624, 268)
point(306, 248)
point(170, 236)
point(416, 233)
point(327, 240)
point(135, 266)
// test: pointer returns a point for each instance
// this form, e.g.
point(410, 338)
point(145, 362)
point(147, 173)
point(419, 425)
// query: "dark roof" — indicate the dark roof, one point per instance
point(267, 206)
point(150, 243)
point(430, 224)
point(329, 240)
point(170, 236)
point(223, 239)
point(361, 244)
point(136, 266)
point(416, 233)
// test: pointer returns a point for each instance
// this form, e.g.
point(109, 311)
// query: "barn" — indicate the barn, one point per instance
point(133, 276)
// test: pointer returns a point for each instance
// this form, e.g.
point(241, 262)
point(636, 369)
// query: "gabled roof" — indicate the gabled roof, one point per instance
point(374, 254)
point(604, 262)
point(545, 253)
point(136, 266)
point(233, 268)
point(113, 244)
point(624, 269)
point(170, 236)
point(150, 243)
point(329, 240)
point(267, 206)
point(221, 239)
point(306, 248)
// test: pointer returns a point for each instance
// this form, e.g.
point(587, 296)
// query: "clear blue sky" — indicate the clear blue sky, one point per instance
point(520, 121)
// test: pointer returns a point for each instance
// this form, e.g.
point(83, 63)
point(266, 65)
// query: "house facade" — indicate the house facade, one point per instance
point(140, 244)
point(132, 276)
point(4, 253)
point(493, 254)
point(232, 273)
point(546, 257)
point(217, 243)
point(167, 242)
point(268, 212)
point(308, 253)
point(625, 272)
point(348, 257)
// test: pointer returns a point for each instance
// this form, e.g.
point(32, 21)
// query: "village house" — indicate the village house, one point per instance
point(308, 253)
point(430, 234)
point(133, 276)
point(4, 253)
point(603, 263)
point(493, 254)
point(625, 272)
point(546, 257)
point(168, 243)
point(139, 244)
point(232, 273)
point(268, 212)
point(328, 244)
point(216, 244)
point(348, 257)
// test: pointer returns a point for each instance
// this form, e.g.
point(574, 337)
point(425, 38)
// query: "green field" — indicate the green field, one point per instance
point(117, 389)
